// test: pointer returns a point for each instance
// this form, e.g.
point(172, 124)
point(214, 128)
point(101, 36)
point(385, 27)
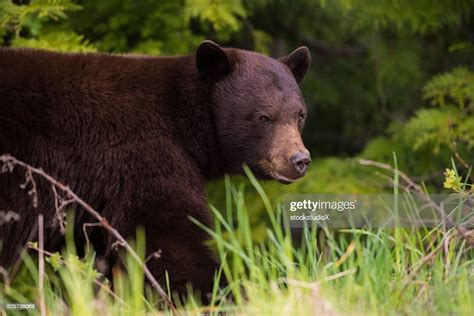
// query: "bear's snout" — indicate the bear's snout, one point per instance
point(300, 162)
point(289, 159)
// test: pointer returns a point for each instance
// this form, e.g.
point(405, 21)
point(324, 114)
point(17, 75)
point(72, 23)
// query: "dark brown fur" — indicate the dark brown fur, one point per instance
point(137, 137)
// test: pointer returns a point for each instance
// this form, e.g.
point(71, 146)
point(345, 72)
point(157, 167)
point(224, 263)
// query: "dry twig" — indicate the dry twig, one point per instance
point(4, 274)
point(454, 146)
point(9, 162)
point(8, 216)
point(33, 192)
point(41, 265)
point(84, 230)
point(154, 255)
point(59, 209)
point(418, 190)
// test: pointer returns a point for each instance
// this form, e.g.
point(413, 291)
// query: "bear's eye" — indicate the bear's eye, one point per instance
point(301, 117)
point(264, 119)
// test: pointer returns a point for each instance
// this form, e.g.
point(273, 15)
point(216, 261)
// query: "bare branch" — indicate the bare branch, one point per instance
point(454, 146)
point(154, 255)
point(116, 244)
point(8, 216)
point(59, 209)
point(41, 265)
point(84, 230)
point(418, 190)
point(9, 162)
point(32, 192)
point(4, 273)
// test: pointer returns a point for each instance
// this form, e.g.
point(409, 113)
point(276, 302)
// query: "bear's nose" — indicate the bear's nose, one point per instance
point(301, 162)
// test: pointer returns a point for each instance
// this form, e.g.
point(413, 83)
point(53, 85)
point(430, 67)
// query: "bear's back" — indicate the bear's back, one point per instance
point(47, 92)
point(100, 123)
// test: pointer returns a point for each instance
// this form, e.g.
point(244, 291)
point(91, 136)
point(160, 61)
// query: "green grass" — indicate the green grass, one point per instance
point(344, 272)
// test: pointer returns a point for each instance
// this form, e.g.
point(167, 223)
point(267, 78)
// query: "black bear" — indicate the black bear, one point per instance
point(137, 137)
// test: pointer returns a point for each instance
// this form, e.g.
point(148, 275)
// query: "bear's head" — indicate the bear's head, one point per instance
point(258, 109)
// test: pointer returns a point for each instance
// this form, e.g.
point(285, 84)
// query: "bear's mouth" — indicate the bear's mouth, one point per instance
point(281, 178)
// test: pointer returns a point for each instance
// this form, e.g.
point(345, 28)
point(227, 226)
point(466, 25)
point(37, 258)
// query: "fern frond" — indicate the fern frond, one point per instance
point(456, 85)
point(57, 41)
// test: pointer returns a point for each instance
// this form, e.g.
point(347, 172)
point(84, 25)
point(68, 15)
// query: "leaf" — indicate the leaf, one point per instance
point(220, 14)
point(456, 85)
point(57, 41)
point(55, 260)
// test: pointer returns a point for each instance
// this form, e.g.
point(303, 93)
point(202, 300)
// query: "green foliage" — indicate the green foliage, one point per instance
point(16, 16)
point(456, 85)
point(14, 19)
point(221, 15)
point(349, 271)
point(73, 286)
point(429, 127)
point(448, 129)
point(167, 28)
point(419, 16)
point(140, 27)
point(59, 41)
point(330, 175)
point(434, 135)
point(373, 264)
point(388, 76)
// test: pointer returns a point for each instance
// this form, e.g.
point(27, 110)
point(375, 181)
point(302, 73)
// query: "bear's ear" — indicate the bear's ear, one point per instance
point(212, 62)
point(298, 62)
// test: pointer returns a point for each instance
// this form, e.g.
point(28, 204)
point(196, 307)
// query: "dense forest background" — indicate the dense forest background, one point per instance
point(387, 76)
point(391, 81)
